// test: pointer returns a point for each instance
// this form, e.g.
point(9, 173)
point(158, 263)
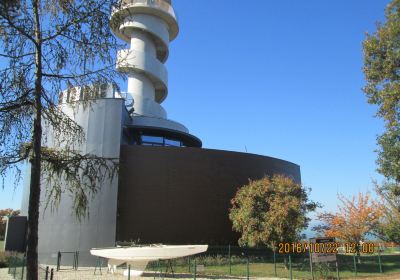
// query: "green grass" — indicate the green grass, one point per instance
point(264, 267)
point(1, 246)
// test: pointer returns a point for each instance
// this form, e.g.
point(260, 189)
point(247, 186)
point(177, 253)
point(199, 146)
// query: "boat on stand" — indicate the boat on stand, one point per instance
point(137, 257)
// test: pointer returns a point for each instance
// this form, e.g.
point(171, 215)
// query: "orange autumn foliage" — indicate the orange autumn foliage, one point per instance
point(354, 219)
point(8, 213)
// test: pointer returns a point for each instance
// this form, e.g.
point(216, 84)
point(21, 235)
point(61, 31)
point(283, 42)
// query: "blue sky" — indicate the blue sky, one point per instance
point(278, 78)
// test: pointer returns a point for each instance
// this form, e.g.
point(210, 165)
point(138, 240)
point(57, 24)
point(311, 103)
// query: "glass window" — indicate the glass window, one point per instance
point(149, 140)
point(170, 142)
point(152, 139)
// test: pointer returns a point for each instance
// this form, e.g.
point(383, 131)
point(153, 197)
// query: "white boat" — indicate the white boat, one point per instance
point(138, 257)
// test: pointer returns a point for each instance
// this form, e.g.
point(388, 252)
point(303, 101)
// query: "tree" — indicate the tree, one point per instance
point(381, 66)
point(354, 219)
point(270, 210)
point(8, 213)
point(382, 73)
point(388, 228)
point(3, 214)
point(45, 47)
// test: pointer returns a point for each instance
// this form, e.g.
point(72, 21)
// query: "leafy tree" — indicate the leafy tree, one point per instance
point(382, 73)
point(3, 214)
point(45, 47)
point(270, 210)
point(8, 213)
point(388, 228)
point(354, 219)
point(381, 67)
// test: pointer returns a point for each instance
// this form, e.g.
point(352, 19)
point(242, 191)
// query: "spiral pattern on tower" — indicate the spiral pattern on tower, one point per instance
point(149, 26)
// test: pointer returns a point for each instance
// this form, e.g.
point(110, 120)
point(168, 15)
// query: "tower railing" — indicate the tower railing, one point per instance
point(159, 4)
point(126, 97)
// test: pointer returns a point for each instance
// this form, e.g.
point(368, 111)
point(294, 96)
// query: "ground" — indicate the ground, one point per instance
point(88, 274)
point(387, 277)
point(4, 275)
point(236, 268)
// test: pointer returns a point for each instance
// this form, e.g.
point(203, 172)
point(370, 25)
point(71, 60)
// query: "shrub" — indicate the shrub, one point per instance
point(6, 256)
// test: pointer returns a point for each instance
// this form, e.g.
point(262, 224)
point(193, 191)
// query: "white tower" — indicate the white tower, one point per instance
point(149, 26)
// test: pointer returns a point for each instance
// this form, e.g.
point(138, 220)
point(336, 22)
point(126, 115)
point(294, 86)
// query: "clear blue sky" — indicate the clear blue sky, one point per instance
point(282, 78)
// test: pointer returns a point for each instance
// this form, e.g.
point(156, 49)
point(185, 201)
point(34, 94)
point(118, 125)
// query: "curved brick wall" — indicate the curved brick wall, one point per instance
point(182, 195)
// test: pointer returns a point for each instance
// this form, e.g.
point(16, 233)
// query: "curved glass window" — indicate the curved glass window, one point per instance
point(152, 139)
point(161, 141)
point(174, 143)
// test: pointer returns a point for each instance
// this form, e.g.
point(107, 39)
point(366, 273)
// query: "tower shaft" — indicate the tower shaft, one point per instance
point(148, 26)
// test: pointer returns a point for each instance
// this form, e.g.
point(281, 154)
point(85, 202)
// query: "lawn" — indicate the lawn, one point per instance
point(1, 246)
point(219, 266)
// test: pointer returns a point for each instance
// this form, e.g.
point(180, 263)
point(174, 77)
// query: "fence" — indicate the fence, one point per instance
point(224, 262)
point(67, 260)
point(296, 266)
point(17, 270)
point(16, 267)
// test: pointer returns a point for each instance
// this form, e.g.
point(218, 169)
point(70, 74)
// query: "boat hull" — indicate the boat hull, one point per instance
point(139, 257)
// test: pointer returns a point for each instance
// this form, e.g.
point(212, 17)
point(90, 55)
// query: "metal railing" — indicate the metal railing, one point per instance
point(159, 4)
point(223, 262)
point(45, 273)
point(75, 260)
point(17, 269)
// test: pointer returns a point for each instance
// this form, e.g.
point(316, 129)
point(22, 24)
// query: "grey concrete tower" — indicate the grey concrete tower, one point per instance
point(148, 26)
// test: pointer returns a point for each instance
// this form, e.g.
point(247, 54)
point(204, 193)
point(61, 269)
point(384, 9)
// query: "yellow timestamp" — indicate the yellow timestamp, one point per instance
point(325, 248)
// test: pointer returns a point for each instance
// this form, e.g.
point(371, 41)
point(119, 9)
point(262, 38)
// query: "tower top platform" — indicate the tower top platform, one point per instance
point(159, 8)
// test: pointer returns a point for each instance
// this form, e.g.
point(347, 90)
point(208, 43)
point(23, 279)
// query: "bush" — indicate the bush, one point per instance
point(6, 256)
